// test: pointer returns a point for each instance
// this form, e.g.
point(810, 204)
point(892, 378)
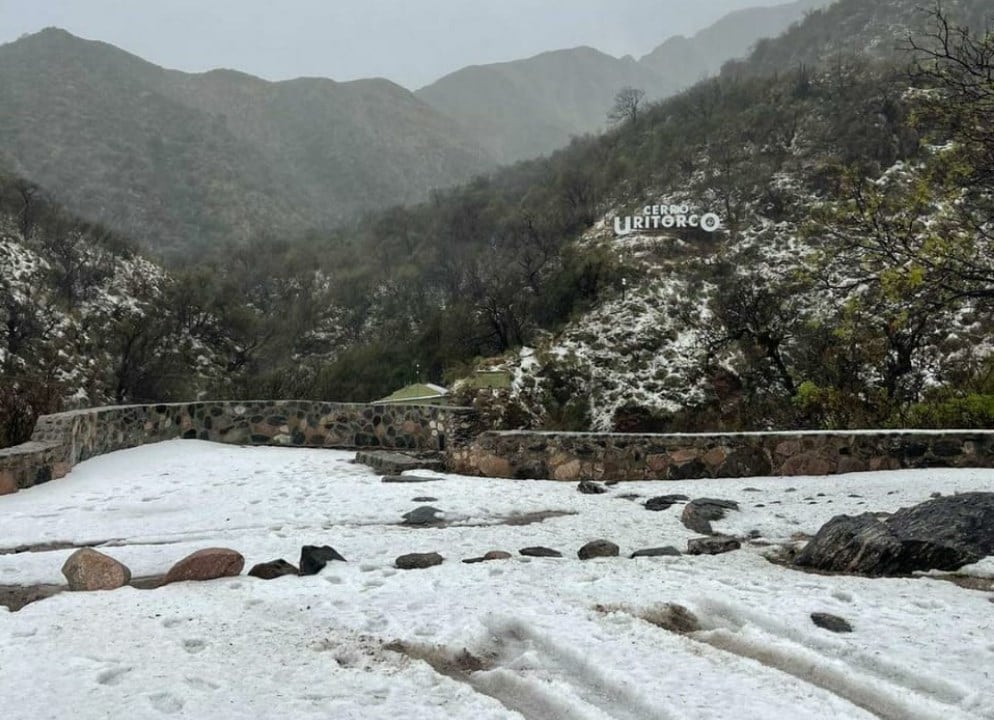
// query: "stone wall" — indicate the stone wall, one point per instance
point(61, 440)
point(576, 456)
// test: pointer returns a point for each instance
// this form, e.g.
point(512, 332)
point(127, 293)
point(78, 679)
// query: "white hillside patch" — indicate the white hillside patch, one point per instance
point(558, 637)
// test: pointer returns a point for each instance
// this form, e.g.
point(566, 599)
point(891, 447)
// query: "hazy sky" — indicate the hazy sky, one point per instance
point(412, 42)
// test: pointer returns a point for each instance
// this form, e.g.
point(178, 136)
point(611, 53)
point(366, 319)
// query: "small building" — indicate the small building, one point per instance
point(417, 394)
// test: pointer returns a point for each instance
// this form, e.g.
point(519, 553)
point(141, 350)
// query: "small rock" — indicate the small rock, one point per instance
point(588, 487)
point(418, 561)
point(424, 498)
point(936, 495)
point(664, 502)
point(714, 545)
point(497, 555)
point(424, 515)
point(492, 555)
point(751, 489)
point(206, 564)
point(408, 479)
point(539, 551)
point(611, 483)
point(598, 548)
point(668, 551)
point(831, 622)
point(313, 558)
point(87, 569)
point(273, 569)
point(790, 489)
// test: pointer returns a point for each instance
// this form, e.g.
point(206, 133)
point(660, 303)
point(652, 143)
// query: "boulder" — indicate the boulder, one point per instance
point(418, 561)
point(699, 514)
point(588, 487)
point(714, 545)
point(598, 548)
point(206, 564)
point(87, 569)
point(273, 569)
point(832, 623)
point(424, 515)
point(664, 502)
point(313, 558)
point(539, 551)
point(942, 534)
point(668, 551)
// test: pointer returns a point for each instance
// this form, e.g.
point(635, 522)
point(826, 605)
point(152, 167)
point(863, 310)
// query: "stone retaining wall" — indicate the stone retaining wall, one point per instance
point(61, 440)
point(577, 456)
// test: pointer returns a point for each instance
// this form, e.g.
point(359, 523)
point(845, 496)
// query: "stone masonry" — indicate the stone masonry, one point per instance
point(61, 440)
point(616, 457)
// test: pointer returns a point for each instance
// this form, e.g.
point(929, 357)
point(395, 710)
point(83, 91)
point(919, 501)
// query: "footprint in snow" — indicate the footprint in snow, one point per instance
point(194, 646)
point(113, 676)
point(165, 703)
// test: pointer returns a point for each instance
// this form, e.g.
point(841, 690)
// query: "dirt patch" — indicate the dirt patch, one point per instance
point(668, 616)
point(16, 597)
point(458, 666)
point(516, 520)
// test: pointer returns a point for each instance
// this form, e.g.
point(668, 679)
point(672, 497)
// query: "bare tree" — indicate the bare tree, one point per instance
point(627, 105)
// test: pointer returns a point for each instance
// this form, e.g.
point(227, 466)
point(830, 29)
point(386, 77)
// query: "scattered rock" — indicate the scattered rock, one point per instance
point(87, 569)
point(497, 555)
point(588, 487)
point(698, 514)
point(714, 545)
point(492, 555)
point(313, 558)
point(831, 622)
point(408, 479)
point(936, 495)
point(751, 489)
point(668, 551)
point(424, 515)
point(942, 534)
point(419, 561)
point(206, 564)
point(539, 551)
point(664, 502)
point(598, 548)
point(424, 498)
point(273, 569)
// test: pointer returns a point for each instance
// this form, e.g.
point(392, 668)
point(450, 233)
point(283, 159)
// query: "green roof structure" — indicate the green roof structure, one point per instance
point(419, 393)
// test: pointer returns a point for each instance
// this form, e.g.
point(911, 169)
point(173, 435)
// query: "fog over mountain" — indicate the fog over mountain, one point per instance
point(411, 43)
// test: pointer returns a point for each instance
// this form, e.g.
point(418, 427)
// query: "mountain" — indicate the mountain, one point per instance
point(685, 60)
point(526, 108)
point(183, 161)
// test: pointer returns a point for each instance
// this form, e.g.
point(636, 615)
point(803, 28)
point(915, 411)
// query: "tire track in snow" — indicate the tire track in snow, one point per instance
point(879, 686)
point(530, 673)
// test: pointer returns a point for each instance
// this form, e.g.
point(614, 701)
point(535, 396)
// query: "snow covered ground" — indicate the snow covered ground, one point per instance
point(556, 638)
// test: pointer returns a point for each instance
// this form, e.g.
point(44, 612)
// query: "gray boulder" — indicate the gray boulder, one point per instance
point(418, 561)
point(714, 545)
point(668, 551)
point(941, 534)
point(424, 515)
point(589, 487)
point(598, 548)
point(699, 514)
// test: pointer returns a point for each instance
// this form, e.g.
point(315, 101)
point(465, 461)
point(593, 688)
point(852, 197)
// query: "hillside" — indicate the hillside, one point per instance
point(183, 161)
point(684, 60)
point(850, 284)
point(526, 108)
